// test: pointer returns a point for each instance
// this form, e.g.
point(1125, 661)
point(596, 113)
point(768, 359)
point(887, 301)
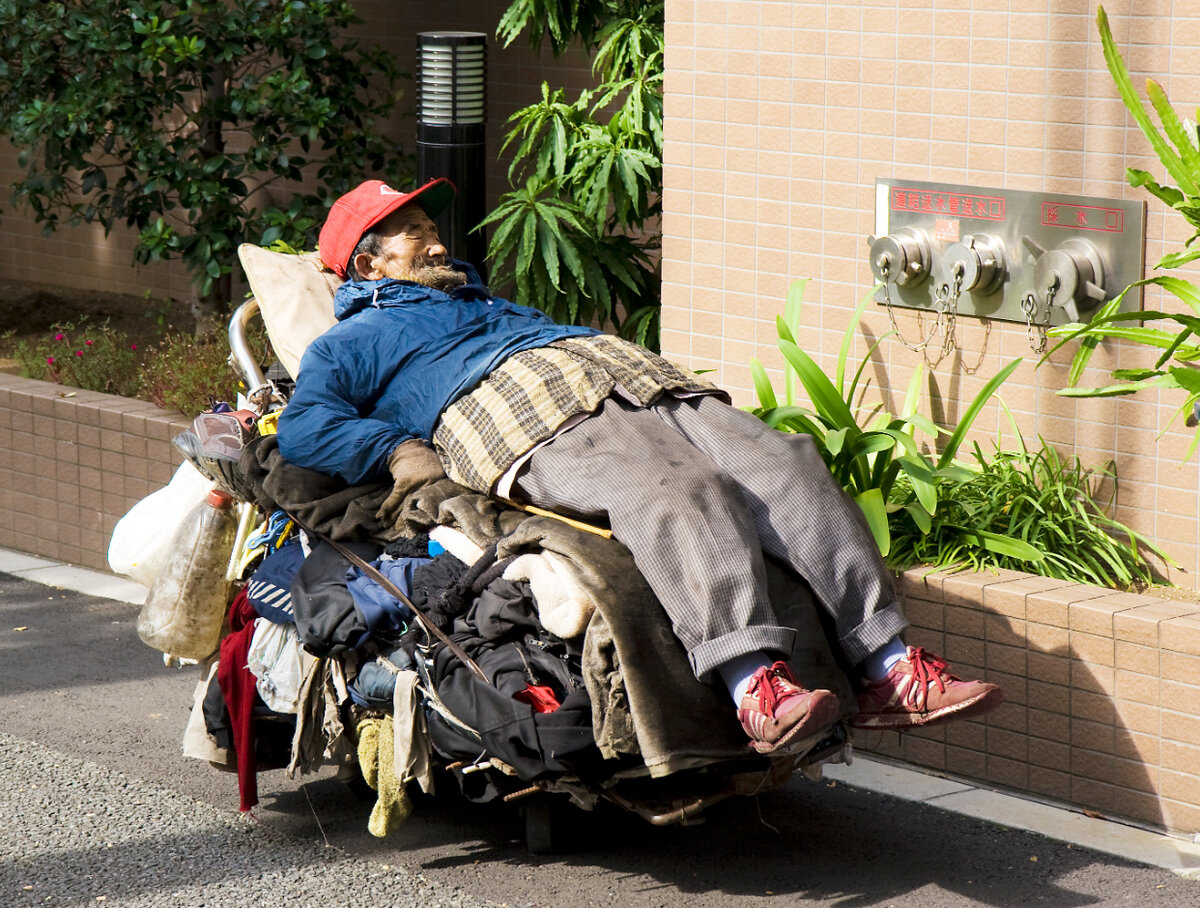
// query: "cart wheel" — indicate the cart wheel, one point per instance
point(543, 827)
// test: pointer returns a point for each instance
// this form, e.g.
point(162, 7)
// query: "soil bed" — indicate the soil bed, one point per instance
point(31, 311)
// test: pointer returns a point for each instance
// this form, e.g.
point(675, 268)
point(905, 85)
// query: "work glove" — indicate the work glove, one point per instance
point(412, 465)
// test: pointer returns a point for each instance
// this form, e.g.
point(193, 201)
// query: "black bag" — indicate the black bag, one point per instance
point(537, 745)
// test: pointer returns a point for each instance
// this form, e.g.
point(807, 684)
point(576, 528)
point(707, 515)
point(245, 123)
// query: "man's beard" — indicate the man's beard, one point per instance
point(428, 273)
point(439, 277)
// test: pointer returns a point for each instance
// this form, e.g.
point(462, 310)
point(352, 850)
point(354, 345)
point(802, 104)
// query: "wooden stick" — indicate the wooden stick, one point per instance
point(542, 512)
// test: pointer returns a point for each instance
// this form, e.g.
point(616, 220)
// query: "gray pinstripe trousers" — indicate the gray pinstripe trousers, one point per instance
point(699, 490)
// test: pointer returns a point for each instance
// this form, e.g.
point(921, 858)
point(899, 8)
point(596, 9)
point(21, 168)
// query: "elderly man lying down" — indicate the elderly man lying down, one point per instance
point(590, 425)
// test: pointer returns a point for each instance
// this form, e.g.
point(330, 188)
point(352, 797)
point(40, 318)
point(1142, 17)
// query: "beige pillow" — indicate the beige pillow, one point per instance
point(295, 298)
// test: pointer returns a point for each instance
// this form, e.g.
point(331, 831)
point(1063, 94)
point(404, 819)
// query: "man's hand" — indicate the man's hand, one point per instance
point(412, 465)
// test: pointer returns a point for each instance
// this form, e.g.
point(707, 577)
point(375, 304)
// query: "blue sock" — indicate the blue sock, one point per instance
point(737, 672)
point(880, 662)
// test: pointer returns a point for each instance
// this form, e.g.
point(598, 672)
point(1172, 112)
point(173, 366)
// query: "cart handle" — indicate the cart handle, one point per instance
point(262, 392)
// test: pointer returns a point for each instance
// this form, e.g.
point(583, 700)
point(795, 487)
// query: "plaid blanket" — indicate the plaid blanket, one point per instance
point(532, 394)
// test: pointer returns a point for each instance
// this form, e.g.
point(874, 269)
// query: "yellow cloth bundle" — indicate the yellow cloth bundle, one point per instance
point(376, 747)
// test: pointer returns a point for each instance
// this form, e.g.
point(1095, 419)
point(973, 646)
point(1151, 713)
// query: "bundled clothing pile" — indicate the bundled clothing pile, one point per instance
point(551, 661)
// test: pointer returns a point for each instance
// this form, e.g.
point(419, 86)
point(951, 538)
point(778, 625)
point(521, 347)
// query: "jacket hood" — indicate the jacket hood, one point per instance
point(354, 296)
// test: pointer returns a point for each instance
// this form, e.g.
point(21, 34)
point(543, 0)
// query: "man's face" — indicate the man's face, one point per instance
point(412, 252)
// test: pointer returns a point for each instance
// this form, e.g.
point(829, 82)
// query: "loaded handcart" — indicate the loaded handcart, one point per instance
point(448, 639)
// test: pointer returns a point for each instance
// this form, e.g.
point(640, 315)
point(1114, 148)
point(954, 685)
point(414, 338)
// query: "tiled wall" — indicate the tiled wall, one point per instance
point(781, 114)
point(1100, 693)
point(73, 462)
point(78, 258)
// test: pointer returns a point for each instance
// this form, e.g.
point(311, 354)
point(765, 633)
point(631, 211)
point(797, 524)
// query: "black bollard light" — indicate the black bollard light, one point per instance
point(451, 131)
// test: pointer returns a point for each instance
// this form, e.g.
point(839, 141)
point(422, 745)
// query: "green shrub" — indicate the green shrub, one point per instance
point(1026, 510)
point(578, 233)
point(166, 116)
point(188, 372)
point(182, 371)
point(1043, 500)
point(869, 453)
point(84, 355)
point(1174, 344)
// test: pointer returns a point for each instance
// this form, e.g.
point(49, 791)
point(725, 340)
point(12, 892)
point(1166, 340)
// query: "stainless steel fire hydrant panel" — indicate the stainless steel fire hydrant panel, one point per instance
point(1038, 258)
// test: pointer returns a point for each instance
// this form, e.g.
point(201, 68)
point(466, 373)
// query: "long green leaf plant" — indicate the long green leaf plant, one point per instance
point(577, 234)
point(1177, 146)
point(1035, 498)
point(867, 456)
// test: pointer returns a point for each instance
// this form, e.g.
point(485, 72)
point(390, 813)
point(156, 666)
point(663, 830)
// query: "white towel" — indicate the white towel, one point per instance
point(564, 604)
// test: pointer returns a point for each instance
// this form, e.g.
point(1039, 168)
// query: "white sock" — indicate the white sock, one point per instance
point(880, 662)
point(738, 672)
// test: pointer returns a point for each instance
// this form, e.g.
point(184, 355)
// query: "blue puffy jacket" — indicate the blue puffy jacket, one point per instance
point(400, 354)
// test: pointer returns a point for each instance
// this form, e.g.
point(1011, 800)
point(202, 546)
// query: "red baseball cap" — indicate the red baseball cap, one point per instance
point(365, 206)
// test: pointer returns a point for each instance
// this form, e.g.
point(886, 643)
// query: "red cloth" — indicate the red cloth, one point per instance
point(240, 694)
point(540, 697)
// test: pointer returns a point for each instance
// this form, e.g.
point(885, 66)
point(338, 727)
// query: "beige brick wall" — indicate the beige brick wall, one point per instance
point(72, 463)
point(1100, 691)
point(79, 258)
point(781, 114)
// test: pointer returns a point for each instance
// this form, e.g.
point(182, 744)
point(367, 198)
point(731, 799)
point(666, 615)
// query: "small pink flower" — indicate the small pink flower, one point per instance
point(133, 346)
point(49, 360)
point(89, 343)
point(59, 337)
point(79, 353)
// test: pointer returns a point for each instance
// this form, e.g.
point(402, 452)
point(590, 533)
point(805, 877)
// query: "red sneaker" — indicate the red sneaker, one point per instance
point(777, 712)
point(920, 690)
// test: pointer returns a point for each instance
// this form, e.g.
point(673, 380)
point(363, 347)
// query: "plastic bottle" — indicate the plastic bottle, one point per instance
point(185, 607)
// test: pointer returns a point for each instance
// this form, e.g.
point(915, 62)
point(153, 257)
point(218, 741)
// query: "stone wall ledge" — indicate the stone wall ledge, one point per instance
point(1102, 689)
point(1102, 692)
point(72, 462)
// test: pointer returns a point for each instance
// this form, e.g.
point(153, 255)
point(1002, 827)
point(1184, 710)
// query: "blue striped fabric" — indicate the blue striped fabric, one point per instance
point(270, 587)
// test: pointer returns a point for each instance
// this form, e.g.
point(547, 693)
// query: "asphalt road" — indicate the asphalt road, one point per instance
point(98, 807)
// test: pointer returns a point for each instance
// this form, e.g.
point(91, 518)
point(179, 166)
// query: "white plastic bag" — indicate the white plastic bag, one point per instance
point(279, 663)
point(141, 540)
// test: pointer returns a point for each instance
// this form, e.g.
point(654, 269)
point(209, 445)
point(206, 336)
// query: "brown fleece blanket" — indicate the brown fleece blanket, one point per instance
point(342, 512)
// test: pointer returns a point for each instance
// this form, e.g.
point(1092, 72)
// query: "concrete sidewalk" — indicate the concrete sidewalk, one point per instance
point(133, 671)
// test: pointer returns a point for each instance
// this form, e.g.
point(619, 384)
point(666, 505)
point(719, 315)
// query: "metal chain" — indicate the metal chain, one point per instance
point(1043, 332)
point(945, 320)
point(891, 311)
point(1029, 307)
point(946, 297)
point(949, 332)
